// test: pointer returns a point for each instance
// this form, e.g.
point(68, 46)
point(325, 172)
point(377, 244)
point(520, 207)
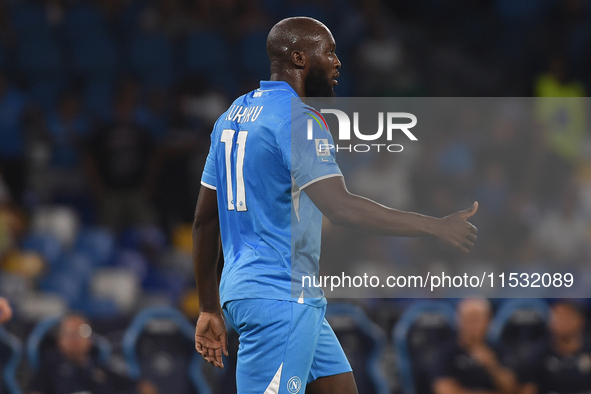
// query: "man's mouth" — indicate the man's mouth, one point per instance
point(334, 79)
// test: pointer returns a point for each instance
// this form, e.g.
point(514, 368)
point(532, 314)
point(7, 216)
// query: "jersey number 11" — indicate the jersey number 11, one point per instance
point(228, 140)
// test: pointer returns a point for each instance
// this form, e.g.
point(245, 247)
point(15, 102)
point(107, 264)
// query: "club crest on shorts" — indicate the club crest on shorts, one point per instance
point(294, 385)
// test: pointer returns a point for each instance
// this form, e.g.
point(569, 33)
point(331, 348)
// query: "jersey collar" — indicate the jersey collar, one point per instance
point(277, 85)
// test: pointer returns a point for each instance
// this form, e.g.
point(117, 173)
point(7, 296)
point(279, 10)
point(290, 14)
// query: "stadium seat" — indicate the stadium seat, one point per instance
point(75, 263)
point(42, 339)
point(68, 285)
point(97, 244)
point(146, 239)
point(100, 308)
point(159, 346)
point(420, 329)
point(132, 260)
point(517, 327)
point(363, 342)
point(39, 305)
point(10, 357)
point(120, 285)
point(27, 264)
point(62, 221)
point(46, 244)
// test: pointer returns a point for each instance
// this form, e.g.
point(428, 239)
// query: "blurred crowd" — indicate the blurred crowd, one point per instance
point(106, 108)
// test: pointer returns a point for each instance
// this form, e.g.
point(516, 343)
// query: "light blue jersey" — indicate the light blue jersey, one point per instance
point(260, 165)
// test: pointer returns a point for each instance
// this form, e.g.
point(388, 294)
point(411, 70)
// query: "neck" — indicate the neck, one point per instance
point(294, 80)
point(568, 344)
point(468, 342)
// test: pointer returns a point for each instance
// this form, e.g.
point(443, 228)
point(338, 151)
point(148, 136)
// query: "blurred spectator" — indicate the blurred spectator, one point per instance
point(562, 116)
point(13, 105)
point(563, 365)
point(12, 224)
point(72, 368)
point(469, 365)
point(493, 192)
point(381, 62)
point(509, 143)
point(68, 127)
point(5, 310)
point(561, 235)
point(396, 192)
point(122, 167)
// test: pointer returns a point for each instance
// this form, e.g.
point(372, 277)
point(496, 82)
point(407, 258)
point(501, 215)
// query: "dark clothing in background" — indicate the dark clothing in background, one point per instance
point(556, 373)
point(454, 362)
point(122, 154)
point(57, 375)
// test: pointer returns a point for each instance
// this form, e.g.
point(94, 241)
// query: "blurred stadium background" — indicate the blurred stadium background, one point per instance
point(106, 108)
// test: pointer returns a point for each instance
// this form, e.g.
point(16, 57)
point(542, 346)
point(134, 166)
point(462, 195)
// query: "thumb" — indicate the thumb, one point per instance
point(467, 213)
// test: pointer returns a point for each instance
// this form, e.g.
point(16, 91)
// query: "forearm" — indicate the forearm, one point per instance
point(360, 213)
point(452, 386)
point(504, 379)
point(206, 251)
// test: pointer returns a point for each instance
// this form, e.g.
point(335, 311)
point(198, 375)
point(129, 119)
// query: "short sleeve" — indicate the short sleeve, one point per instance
point(208, 178)
point(312, 148)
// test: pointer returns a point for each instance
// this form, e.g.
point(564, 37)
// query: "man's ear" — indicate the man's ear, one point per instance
point(299, 59)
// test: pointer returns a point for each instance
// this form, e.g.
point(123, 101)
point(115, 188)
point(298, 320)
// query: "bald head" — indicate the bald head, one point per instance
point(299, 34)
point(474, 316)
point(479, 306)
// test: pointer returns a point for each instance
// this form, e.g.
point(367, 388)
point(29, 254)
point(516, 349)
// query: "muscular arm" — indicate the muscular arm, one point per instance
point(345, 209)
point(206, 250)
point(210, 331)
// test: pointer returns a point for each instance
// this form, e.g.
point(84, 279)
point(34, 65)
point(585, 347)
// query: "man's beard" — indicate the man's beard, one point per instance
point(318, 84)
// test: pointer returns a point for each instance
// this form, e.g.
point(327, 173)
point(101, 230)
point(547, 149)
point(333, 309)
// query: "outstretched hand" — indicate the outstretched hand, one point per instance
point(455, 230)
point(211, 338)
point(5, 310)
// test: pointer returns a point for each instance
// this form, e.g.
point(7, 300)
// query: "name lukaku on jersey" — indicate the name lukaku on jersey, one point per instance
point(242, 114)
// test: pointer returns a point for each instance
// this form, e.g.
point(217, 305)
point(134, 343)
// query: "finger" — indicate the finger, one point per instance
point(211, 356)
point(471, 237)
point(473, 228)
point(468, 244)
point(465, 214)
point(224, 339)
point(218, 358)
